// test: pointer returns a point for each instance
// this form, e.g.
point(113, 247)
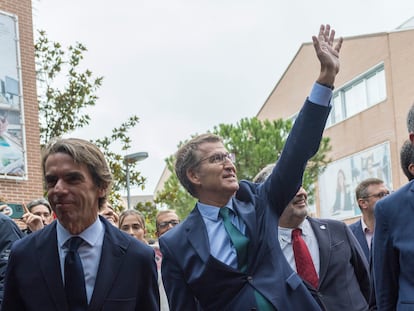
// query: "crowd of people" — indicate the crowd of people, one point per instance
point(246, 245)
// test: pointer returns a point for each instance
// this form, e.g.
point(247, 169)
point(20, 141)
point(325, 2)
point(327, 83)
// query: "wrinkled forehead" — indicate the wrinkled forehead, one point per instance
point(167, 217)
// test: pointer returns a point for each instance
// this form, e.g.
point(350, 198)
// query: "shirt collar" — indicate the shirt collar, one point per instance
point(285, 234)
point(364, 226)
point(89, 235)
point(212, 212)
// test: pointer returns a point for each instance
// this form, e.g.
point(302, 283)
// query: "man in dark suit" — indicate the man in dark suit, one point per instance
point(394, 245)
point(117, 271)
point(367, 193)
point(203, 264)
point(342, 269)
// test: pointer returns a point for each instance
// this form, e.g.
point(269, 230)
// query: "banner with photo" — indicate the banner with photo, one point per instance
point(12, 147)
point(338, 182)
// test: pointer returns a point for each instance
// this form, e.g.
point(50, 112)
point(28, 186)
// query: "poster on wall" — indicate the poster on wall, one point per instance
point(12, 154)
point(338, 182)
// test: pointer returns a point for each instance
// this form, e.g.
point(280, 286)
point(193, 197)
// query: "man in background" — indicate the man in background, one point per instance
point(164, 221)
point(336, 272)
point(367, 193)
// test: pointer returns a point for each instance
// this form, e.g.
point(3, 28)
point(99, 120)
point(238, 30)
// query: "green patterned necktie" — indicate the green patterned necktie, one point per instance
point(240, 243)
point(239, 240)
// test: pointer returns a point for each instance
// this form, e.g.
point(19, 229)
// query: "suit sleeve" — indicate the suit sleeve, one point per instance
point(386, 263)
point(180, 296)
point(302, 143)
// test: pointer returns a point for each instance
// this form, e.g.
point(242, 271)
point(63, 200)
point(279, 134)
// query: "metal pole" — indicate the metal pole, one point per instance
point(127, 180)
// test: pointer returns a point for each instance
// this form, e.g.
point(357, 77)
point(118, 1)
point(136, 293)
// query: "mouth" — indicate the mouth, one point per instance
point(300, 202)
point(230, 176)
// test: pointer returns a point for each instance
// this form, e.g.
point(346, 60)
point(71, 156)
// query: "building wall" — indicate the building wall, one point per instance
point(383, 122)
point(26, 190)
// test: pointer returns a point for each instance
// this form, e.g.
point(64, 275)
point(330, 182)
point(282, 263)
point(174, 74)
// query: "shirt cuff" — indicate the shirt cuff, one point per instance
point(321, 95)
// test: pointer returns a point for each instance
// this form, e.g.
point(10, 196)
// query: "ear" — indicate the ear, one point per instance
point(411, 168)
point(101, 192)
point(362, 203)
point(411, 136)
point(193, 176)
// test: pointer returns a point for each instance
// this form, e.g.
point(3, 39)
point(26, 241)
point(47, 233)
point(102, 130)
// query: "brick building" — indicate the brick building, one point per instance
point(367, 126)
point(20, 170)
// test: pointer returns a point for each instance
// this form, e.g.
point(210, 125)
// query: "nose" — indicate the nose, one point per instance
point(60, 186)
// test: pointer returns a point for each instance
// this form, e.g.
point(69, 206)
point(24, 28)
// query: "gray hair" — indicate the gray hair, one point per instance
point(264, 173)
point(187, 158)
point(407, 158)
point(41, 201)
point(410, 120)
point(83, 152)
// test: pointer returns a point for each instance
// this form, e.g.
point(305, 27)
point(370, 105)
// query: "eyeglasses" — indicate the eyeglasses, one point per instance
point(219, 158)
point(379, 195)
point(165, 224)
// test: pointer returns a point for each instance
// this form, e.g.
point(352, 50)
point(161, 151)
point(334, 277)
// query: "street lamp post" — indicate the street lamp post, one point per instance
point(130, 159)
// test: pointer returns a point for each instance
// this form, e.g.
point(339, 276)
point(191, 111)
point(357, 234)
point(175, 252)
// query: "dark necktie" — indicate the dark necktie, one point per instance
point(74, 277)
point(239, 240)
point(240, 243)
point(303, 259)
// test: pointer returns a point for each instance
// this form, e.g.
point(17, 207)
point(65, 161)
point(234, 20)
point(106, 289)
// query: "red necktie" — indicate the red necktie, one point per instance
point(303, 259)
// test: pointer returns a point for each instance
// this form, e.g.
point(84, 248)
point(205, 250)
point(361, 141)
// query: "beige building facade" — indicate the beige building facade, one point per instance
point(367, 126)
point(20, 171)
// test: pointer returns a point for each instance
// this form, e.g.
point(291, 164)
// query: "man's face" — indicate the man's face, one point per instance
point(298, 206)
point(110, 215)
point(165, 222)
point(43, 212)
point(375, 193)
point(214, 177)
point(72, 193)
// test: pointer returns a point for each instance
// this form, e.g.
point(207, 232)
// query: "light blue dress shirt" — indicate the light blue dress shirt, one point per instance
point(220, 243)
point(320, 95)
point(89, 252)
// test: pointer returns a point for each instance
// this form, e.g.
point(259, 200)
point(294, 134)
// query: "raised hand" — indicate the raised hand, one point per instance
point(327, 53)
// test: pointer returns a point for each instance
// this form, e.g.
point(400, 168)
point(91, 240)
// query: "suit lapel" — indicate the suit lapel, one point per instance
point(49, 262)
point(197, 234)
point(362, 240)
point(113, 249)
point(323, 237)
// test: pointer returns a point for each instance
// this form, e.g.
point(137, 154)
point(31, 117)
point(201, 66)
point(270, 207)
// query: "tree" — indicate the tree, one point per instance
point(64, 92)
point(255, 144)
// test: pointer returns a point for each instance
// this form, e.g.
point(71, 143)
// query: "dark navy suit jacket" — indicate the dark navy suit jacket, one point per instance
point(192, 277)
point(393, 250)
point(356, 229)
point(9, 233)
point(126, 279)
point(344, 280)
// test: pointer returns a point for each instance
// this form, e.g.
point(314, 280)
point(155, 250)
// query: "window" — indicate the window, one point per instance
point(358, 95)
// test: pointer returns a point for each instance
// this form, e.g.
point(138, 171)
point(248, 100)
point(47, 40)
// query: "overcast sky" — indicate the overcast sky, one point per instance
point(184, 66)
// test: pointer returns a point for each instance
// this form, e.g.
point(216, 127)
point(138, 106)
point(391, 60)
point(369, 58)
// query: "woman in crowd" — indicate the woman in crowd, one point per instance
point(133, 223)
